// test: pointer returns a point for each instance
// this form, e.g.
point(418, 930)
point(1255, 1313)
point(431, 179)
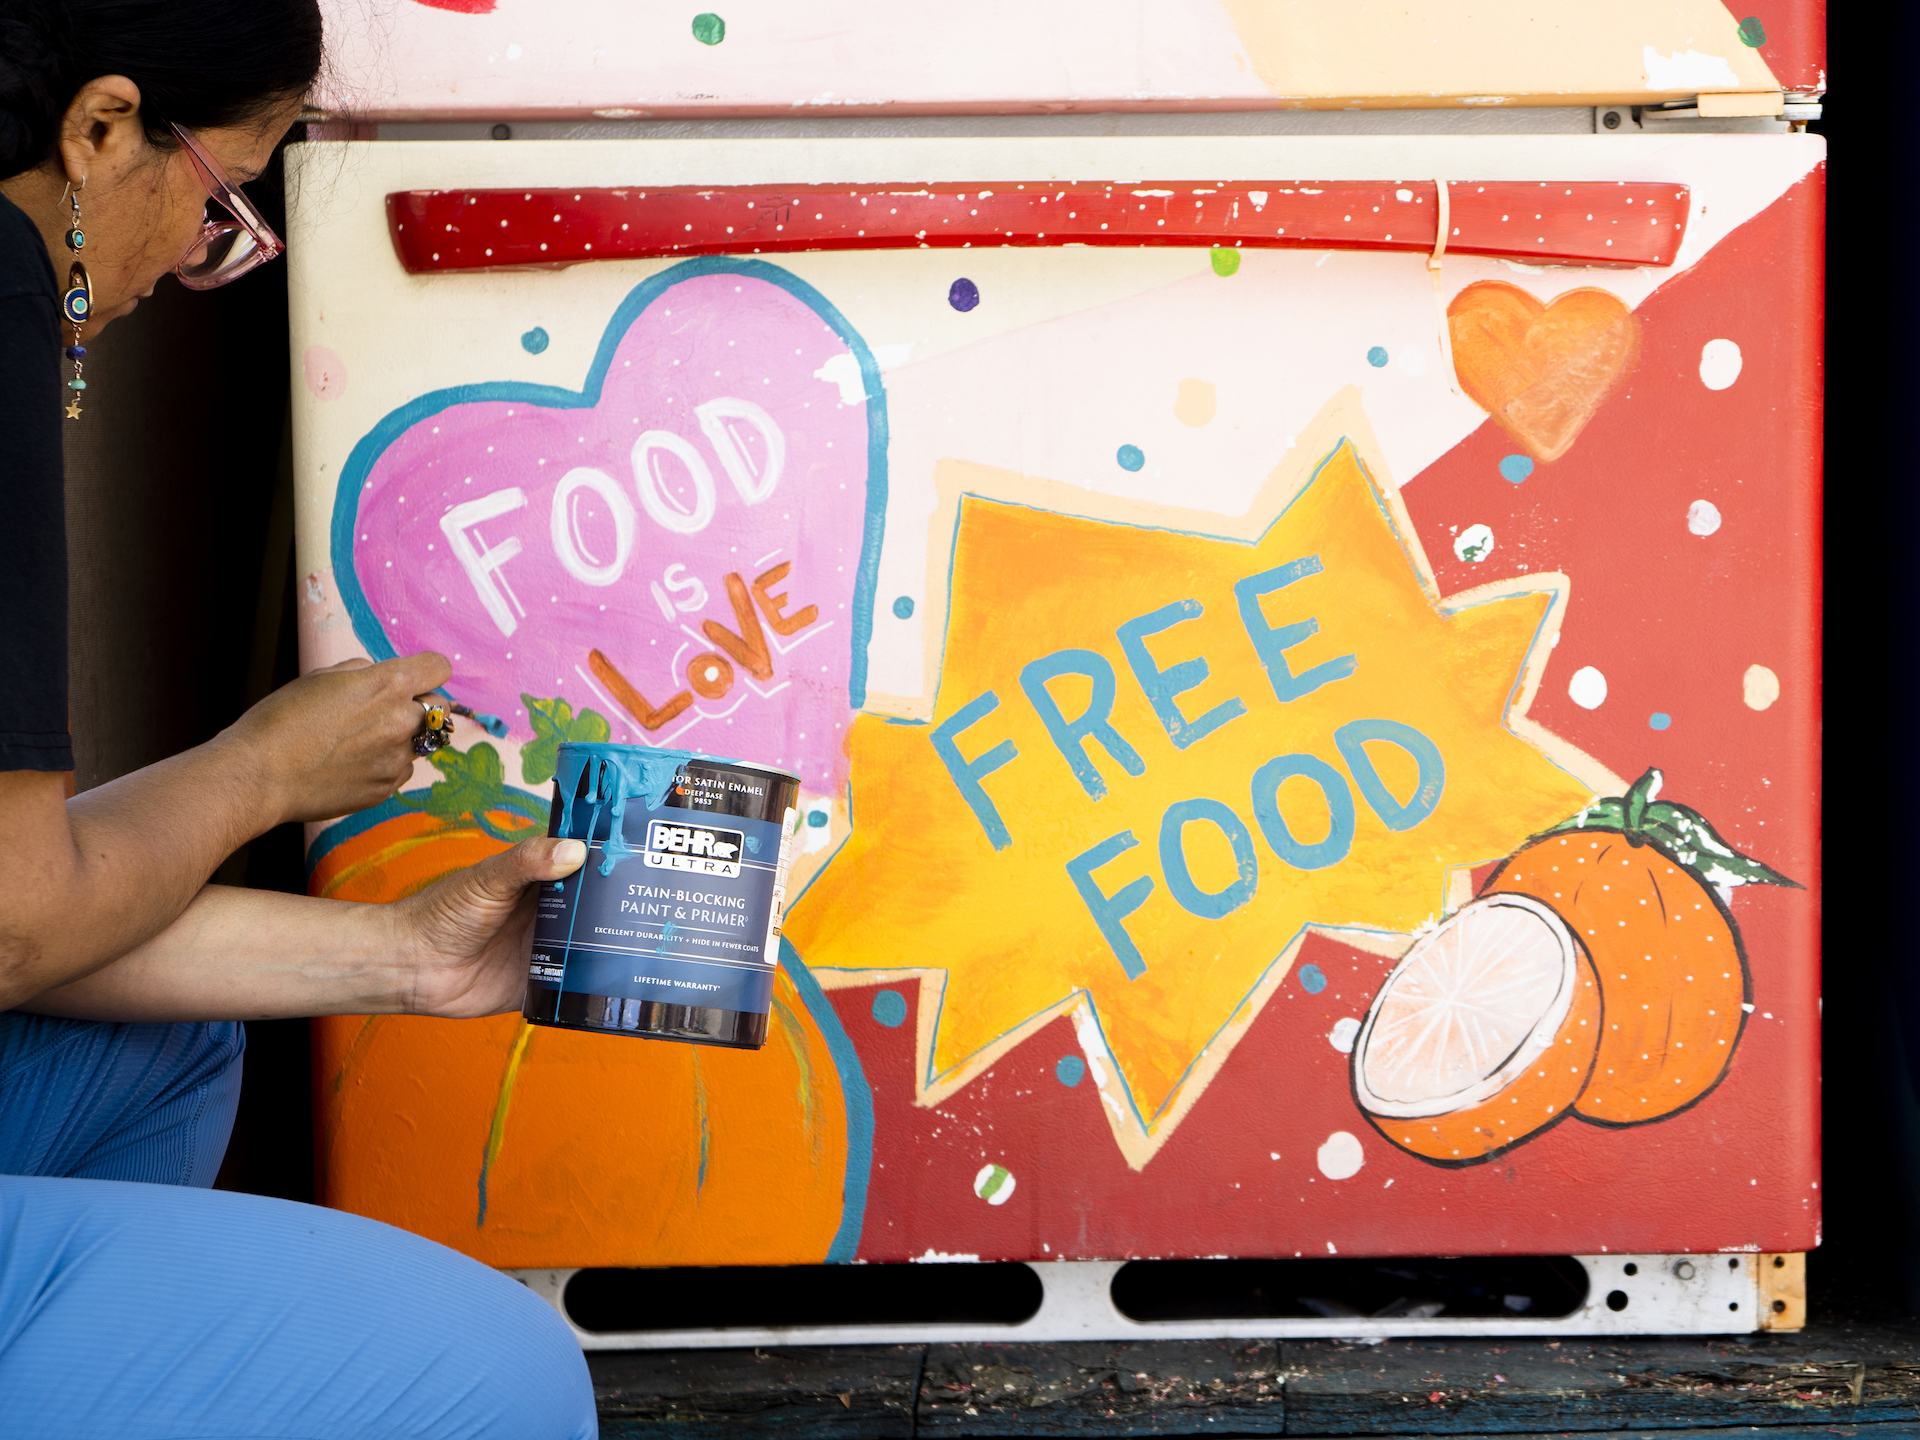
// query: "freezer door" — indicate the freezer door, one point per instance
point(607, 60)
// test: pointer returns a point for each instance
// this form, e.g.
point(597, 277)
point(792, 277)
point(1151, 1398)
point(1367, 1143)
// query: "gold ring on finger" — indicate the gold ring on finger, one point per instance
point(436, 728)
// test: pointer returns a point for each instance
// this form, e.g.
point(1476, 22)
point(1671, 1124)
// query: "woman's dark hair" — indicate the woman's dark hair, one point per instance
point(204, 64)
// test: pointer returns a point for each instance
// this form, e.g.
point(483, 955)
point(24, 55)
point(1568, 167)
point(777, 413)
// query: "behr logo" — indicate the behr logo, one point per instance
point(699, 849)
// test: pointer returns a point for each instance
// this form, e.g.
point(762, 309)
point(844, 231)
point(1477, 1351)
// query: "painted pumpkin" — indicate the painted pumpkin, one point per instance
point(528, 1147)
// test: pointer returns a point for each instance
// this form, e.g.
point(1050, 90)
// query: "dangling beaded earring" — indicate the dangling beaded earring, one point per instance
point(77, 304)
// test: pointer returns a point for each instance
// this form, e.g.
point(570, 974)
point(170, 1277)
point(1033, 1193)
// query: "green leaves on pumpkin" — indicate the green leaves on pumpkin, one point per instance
point(1682, 833)
point(473, 785)
point(554, 724)
point(474, 782)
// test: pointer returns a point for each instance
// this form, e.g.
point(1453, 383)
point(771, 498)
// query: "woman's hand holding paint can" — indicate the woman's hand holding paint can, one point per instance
point(465, 938)
point(337, 740)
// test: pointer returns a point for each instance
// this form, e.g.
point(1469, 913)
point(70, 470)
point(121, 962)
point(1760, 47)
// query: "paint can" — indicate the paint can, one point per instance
point(671, 929)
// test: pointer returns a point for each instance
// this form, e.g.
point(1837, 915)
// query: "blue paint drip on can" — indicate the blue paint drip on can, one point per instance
point(672, 930)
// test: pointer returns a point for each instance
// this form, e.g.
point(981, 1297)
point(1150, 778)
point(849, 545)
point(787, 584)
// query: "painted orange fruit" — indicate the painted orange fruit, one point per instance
point(1470, 1048)
point(1484, 1034)
point(1669, 959)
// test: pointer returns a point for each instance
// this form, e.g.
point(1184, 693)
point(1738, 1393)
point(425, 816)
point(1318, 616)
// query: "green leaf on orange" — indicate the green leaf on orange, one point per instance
point(1680, 832)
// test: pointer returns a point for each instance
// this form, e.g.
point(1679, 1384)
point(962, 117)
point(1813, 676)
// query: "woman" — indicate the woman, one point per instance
point(158, 1307)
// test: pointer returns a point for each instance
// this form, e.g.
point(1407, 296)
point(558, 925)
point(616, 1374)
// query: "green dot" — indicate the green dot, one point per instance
point(1752, 32)
point(709, 28)
point(1225, 261)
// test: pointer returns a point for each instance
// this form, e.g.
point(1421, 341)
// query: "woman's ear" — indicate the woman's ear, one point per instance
point(101, 136)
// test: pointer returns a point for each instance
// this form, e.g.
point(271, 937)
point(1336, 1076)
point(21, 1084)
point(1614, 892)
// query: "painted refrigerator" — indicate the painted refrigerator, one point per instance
point(1307, 711)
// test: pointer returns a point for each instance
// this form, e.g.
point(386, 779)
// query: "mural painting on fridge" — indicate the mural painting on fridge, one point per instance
point(1302, 751)
point(587, 60)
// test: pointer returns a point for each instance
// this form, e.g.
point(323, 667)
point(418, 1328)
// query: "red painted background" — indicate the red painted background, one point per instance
point(1673, 620)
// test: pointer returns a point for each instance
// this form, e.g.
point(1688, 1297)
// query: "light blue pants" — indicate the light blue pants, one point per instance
point(137, 1305)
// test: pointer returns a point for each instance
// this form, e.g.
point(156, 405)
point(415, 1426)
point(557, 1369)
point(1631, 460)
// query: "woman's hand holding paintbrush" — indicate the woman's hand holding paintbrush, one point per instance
point(340, 739)
point(110, 915)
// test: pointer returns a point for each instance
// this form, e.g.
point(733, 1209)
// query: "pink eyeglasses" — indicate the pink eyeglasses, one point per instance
point(226, 249)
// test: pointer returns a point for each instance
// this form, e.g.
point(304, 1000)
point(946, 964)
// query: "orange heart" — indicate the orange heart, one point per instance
point(1540, 370)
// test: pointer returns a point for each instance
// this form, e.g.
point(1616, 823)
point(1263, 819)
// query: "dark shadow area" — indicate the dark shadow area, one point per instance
point(271, 1152)
point(172, 475)
point(1533, 1287)
point(739, 1296)
point(1868, 1265)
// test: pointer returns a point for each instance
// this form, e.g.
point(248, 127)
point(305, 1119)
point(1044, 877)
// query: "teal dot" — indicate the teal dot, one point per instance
point(1659, 720)
point(534, 341)
point(1131, 457)
point(1312, 979)
point(890, 1008)
point(1516, 467)
point(709, 29)
point(816, 819)
point(1377, 356)
point(1070, 1071)
point(1751, 32)
point(903, 607)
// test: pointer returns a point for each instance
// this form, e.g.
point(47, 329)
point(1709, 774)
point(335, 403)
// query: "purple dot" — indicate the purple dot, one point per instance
point(963, 294)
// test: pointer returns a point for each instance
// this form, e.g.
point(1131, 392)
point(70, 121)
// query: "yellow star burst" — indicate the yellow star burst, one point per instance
point(1156, 758)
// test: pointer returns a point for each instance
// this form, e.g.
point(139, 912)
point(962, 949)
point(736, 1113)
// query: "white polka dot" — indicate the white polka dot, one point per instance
point(1587, 688)
point(1343, 1034)
point(1720, 363)
point(1473, 544)
point(1341, 1156)
point(994, 1184)
point(1703, 517)
point(1759, 687)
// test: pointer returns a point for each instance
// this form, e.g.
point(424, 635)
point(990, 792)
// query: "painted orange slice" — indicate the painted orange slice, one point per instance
point(1669, 961)
point(1483, 1035)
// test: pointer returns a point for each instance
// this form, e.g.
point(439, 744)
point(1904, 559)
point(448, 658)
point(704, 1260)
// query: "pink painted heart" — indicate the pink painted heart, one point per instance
point(686, 545)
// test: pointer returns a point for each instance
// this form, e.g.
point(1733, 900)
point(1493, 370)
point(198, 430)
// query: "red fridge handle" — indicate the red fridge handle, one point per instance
point(1542, 222)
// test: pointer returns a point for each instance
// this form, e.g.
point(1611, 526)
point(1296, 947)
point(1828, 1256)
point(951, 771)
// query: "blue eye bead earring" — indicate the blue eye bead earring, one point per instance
point(76, 306)
point(78, 303)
